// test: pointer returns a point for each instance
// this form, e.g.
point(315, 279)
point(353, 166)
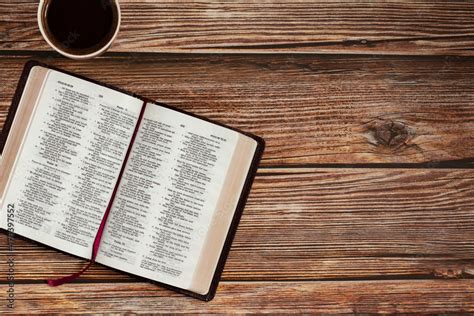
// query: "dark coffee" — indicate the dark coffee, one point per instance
point(80, 26)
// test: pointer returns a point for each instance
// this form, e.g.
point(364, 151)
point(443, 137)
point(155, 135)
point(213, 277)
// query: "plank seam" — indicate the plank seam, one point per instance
point(362, 279)
point(111, 54)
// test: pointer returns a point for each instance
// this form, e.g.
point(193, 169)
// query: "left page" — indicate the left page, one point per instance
point(68, 162)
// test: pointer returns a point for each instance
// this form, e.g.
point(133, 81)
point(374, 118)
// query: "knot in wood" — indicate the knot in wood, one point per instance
point(391, 134)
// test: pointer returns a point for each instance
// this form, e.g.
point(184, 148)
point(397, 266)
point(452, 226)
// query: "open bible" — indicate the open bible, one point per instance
point(173, 184)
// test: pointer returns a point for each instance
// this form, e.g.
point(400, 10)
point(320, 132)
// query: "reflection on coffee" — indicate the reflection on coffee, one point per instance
point(80, 26)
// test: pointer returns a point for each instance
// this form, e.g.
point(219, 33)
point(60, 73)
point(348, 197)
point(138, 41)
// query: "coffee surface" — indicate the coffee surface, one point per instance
point(81, 24)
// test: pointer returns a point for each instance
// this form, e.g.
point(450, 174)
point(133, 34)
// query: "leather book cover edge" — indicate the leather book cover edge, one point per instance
point(15, 102)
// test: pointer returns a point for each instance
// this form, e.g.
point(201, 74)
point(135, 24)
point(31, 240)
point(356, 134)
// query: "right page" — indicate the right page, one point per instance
point(176, 199)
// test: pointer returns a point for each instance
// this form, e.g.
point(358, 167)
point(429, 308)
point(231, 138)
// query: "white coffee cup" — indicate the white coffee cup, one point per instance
point(42, 9)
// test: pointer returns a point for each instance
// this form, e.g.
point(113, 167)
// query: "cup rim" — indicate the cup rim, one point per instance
point(74, 56)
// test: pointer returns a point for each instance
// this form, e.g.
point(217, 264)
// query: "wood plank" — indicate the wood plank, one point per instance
point(310, 109)
point(302, 224)
point(254, 297)
point(389, 27)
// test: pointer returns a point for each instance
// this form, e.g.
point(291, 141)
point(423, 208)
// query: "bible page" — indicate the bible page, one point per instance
point(68, 162)
point(167, 196)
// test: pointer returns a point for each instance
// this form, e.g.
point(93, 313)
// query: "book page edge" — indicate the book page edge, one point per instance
point(224, 213)
point(20, 125)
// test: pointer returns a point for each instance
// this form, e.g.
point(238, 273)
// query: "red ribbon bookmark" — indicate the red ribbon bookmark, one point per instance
point(100, 231)
point(95, 250)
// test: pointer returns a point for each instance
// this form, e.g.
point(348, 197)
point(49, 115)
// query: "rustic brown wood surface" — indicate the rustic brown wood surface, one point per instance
point(356, 223)
point(393, 27)
point(310, 109)
point(364, 201)
point(399, 296)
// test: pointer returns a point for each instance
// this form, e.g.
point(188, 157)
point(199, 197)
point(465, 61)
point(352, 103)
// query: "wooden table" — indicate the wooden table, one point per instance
point(364, 201)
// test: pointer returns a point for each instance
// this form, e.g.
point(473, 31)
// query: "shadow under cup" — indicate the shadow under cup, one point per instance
point(79, 28)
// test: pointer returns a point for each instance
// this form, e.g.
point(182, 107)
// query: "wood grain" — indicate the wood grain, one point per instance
point(310, 109)
point(253, 297)
point(302, 224)
point(364, 202)
point(366, 27)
